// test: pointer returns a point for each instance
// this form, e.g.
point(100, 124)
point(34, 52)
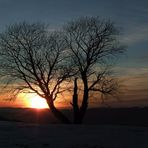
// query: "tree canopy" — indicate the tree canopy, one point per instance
point(41, 60)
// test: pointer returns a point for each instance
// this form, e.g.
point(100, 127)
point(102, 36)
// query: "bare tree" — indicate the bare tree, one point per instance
point(34, 57)
point(40, 61)
point(92, 45)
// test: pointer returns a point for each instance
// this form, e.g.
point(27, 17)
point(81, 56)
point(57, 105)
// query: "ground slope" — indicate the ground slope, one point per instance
point(20, 135)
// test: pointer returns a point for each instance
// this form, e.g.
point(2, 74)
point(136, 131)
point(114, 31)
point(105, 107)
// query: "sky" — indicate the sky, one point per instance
point(130, 15)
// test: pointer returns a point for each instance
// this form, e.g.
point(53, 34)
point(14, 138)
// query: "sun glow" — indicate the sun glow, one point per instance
point(34, 101)
point(38, 102)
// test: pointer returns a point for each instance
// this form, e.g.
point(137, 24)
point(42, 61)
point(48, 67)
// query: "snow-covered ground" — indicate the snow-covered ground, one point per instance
point(20, 135)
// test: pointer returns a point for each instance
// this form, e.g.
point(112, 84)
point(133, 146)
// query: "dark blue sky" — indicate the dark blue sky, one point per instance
point(130, 15)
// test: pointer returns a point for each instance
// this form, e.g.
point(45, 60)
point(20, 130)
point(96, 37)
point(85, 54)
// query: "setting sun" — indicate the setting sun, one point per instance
point(32, 100)
point(38, 102)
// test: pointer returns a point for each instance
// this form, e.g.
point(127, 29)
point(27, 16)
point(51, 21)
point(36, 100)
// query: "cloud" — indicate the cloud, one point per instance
point(131, 71)
point(133, 90)
point(135, 34)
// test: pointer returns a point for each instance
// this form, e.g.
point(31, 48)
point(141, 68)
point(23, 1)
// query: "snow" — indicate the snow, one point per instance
point(20, 135)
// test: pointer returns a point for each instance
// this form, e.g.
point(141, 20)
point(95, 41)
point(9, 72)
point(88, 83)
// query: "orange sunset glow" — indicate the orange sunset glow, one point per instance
point(37, 102)
point(32, 100)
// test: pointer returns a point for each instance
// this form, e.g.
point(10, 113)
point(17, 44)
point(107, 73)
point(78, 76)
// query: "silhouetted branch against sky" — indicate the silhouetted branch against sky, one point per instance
point(43, 59)
point(33, 56)
point(130, 15)
point(93, 43)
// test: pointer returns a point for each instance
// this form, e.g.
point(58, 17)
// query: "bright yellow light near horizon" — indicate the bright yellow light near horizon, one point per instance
point(37, 102)
point(32, 100)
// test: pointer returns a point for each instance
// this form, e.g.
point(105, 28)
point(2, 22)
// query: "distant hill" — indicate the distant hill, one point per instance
point(8, 119)
point(27, 115)
point(104, 116)
point(118, 116)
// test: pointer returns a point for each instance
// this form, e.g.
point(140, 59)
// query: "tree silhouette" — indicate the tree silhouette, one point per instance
point(92, 45)
point(38, 60)
point(32, 54)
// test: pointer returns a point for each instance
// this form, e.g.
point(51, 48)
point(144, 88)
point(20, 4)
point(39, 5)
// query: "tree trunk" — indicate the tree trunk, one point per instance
point(84, 105)
point(79, 113)
point(58, 114)
point(75, 103)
